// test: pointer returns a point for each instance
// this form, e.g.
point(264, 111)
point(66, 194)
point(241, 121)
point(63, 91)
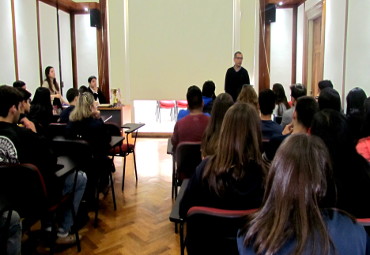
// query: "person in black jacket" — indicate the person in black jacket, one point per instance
point(95, 91)
point(236, 77)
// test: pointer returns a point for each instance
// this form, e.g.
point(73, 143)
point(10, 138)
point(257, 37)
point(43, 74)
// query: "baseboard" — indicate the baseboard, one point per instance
point(154, 134)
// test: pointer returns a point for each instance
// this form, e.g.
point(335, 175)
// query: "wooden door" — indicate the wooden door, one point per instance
point(317, 56)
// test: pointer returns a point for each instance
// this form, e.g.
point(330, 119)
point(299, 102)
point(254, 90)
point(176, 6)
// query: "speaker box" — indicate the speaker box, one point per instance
point(270, 13)
point(95, 18)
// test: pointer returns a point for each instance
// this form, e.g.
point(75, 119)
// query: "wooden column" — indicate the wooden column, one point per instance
point(294, 45)
point(264, 49)
point(15, 42)
point(74, 52)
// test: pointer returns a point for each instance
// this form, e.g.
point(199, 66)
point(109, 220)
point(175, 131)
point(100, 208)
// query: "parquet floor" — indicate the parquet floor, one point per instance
point(140, 225)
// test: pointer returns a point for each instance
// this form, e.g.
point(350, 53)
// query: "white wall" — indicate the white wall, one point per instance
point(7, 67)
point(334, 42)
point(281, 48)
point(300, 36)
point(358, 42)
point(49, 39)
point(27, 43)
point(87, 60)
point(66, 50)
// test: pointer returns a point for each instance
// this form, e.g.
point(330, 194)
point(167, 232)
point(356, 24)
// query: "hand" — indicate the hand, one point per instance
point(288, 129)
point(58, 95)
point(28, 124)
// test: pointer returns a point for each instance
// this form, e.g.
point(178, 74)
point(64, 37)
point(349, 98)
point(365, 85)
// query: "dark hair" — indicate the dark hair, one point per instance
point(297, 91)
point(266, 100)
point(296, 183)
point(279, 91)
point(238, 147)
point(325, 84)
point(208, 89)
point(72, 93)
point(211, 135)
point(54, 81)
point(366, 126)
point(194, 97)
point(355, 101)
point(83, 89)
point(19, 84)
point(91, 78)
point(9, 96)
point(306, 108)
point(236, 53)
point(24, 94)
point(329, 99)
point(41, 110)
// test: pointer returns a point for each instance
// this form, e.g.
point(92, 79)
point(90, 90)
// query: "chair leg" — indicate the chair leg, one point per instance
point(96, 205)
point(135, 165)
point(173, 177)
point(123, 173)
point(78, 244)
point(113, 194)
point(182, 242)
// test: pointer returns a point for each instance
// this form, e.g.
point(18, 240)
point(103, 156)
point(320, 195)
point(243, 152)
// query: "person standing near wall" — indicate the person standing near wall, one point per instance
point(95, 91)
point(236, 76)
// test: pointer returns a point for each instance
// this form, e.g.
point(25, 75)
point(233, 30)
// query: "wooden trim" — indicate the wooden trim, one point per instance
point(73, 49)
point(305, 50)
point(294, 45)
point(70, 6)
point(264, 50)
point(39, 40)
point(343, 92)
point(61, 84)
point(16, 70)
point(323, 22)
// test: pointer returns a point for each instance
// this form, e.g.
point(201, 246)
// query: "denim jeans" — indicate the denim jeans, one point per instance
point(14, 233)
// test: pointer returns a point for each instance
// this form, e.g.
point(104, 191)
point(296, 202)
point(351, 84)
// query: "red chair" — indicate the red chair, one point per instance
point(165, 104)
point(181, 104)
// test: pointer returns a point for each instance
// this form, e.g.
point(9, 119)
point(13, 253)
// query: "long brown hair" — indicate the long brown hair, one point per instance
point(296, 182)
point(210, 138)
point(238, 147)
point(248, 95)
point(51, 81)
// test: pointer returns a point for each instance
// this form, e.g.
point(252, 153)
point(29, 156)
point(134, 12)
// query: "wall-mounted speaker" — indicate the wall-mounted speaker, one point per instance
point(270, 13)
point(95, 18)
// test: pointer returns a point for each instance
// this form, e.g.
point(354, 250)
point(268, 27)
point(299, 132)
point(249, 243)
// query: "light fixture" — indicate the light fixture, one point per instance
point(86, 9)
point(280, 3)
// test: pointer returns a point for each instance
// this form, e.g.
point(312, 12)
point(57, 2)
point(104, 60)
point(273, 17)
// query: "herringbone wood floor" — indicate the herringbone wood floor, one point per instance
point(140, 225)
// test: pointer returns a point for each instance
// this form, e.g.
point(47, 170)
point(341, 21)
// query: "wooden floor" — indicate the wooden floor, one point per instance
point(140, 225)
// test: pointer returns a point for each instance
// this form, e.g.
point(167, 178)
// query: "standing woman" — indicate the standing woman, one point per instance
point(51, 83)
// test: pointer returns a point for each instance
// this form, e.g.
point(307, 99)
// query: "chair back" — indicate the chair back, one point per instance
point(56, 129)
point(213, 231)
point(113, 129)
point(22, 187)
point(188, 157)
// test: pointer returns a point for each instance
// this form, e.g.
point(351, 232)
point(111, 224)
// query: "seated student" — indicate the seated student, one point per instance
point(12, 236)
point(324, 84)
point(21, 145)
point(248, 95)
point(297, 91)
point(83, 89)
point(281, 100)
point(293, 218)
point(329, 99)
point(41, 112)
point(233, 177)
point(19, 84)
point(355, 112)
point(183, 113)
point(351, 171)
point(72, 97)
point(208, 95)
point(85, 123)
point(363, 145)
point(191, 127)
point(266, 101)
point(305, 110)
point(95, 91)
point(25, 110)
point(212, 133)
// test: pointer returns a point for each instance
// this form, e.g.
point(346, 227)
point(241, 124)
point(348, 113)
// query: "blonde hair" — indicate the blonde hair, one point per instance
point(84, 108)
point(248, 95)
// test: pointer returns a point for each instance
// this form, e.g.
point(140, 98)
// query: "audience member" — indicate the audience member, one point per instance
point(21, 145)
point(85, 123)
point(281, 100)
point(292, 219)
point(51, 83)
point(212, 133)
point(363, 145)
point(297, 91)
point(329, 99)
point(305, 110)
point(266, 102)
point(19, 84)
point(83, 89)
point(324, 84)
point(72, 97)
point(355, 112)
point(25, 110)
point(351, 171)
point(185, 112)
point(248, 95)
point(10, 232)
point(208, 95)
point(236, 76)
point(233, 177)
point(95, 91)
point(41, 112)
point(191, 127)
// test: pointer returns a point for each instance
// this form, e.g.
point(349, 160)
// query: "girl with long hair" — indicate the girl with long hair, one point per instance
point(281, 101)
point(248, 95)
point(51, 83)
point(41, 111)
point(292, 219)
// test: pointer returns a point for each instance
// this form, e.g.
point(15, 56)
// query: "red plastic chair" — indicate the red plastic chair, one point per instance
point(165, 104)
